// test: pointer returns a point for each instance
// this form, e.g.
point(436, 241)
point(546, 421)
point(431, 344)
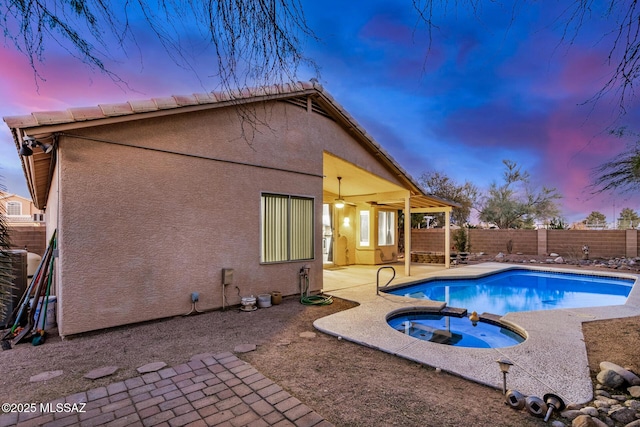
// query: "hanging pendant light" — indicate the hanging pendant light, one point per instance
point(339, 203)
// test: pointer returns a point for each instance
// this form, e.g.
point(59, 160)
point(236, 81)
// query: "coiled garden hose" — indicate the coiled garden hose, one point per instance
point(307, 299)
point(316, 300)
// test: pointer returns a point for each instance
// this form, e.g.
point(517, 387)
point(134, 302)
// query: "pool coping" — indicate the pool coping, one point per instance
point(553, 359)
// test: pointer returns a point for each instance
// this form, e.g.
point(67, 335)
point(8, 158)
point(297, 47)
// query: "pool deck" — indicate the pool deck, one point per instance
point(553, 359)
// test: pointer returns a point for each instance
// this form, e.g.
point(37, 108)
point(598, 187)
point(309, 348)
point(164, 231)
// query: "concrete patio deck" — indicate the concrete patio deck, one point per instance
point(553, 358)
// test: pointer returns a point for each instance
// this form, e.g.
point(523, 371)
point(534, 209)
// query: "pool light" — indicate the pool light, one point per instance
point(504, 367)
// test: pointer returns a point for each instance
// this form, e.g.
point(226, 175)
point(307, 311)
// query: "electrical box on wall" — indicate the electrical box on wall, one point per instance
point(227, 276)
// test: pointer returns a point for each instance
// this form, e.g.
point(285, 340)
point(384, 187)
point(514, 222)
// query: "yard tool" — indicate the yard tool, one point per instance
point(22, 307)
point(40, 335)
point(38, 293)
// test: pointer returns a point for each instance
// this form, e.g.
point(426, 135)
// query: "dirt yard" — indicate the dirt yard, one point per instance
point(348, 384)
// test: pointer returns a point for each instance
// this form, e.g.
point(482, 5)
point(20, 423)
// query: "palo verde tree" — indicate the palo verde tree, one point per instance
point(259, 41)
point(622, 173)
point(465, 195)
point(255, 42)
point(515, 203)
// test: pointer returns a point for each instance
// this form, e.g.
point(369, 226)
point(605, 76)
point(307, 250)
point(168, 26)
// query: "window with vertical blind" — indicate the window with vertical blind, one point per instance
point(386, 228)
point(287, 228)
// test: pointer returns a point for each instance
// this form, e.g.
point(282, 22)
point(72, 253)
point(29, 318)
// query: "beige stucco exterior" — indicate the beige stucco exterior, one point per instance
point(152, 208)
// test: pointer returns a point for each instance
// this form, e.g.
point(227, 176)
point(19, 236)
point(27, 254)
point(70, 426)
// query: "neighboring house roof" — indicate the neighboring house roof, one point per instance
point(38, 168)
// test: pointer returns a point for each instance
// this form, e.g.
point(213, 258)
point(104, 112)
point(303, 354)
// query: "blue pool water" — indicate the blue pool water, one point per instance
point(522, 290)
point(454, 331)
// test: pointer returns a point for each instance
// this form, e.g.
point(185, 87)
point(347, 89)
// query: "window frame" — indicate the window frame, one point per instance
point(289, 227)
point(13, 203)
point(391, 229)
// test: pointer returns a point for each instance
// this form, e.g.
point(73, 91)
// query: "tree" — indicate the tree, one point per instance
point(515, 204)
point(596, 220)
point(260, 41)
point(628, 218)
point(256, 42)
point(558, 224)
point(622, 173)
point(440, 185)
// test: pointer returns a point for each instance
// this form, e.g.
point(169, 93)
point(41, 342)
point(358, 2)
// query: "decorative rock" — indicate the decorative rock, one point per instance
point(623, 415)
point(559, 260)
point(609, 401)
point(599, 423)
point(583, 421)
point(628, 376)
point(102, 372)
point(610, 378)
point(307, 334)
point(571, 414)
point(635, 423)
point(633, 404)
point(589, 410)
point(634, 391)
point(557, 423)
point(500, 256)
point(553, 254)
point(45, 376)
point(245, 348)
point(151, 367)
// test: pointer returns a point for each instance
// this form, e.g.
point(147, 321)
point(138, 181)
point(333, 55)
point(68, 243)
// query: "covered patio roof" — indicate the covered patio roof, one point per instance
point(361, 186)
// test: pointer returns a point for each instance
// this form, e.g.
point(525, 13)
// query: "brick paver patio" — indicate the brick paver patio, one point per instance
point(210, 390)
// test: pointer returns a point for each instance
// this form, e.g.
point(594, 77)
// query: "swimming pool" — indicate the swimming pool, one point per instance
point(522, 290)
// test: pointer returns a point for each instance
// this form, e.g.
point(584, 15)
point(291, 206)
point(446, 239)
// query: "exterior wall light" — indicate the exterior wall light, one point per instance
point(29, 143)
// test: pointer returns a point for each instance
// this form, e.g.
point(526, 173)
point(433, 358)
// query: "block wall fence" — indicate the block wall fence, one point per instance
point(33, 238)
point(567, 243)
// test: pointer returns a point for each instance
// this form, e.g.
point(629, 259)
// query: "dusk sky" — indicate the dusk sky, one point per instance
point(489, 88)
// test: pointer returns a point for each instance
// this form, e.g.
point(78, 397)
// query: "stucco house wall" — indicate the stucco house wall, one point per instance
point(141, 230)
point(153, 199)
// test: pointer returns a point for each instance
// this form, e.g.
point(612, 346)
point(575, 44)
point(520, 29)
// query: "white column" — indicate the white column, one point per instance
point(407, 236)
point(447, 239)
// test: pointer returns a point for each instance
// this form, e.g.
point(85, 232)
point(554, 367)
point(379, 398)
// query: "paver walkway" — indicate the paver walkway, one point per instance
point(210, 390)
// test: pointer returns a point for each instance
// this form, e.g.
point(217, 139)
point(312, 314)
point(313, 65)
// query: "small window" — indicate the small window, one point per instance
point(386, 228)
point(364, 228)
point(287, 228)
point(14, 208)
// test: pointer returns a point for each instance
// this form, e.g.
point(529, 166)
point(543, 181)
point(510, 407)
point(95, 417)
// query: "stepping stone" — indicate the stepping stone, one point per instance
point(151, 367)
point(307, 334)
point(105, 371)
point(245, 348)
point(45, 376)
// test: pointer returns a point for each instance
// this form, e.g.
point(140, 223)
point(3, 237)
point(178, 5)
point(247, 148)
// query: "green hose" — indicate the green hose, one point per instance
point(313, 299)
point(316, 300)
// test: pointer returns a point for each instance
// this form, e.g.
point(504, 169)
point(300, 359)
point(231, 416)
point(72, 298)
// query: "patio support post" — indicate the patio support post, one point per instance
point(407, 236)
point(447, 238)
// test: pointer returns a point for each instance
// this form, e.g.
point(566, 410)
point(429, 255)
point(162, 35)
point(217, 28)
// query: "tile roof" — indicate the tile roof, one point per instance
point(103, 111)
point(213, 99)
